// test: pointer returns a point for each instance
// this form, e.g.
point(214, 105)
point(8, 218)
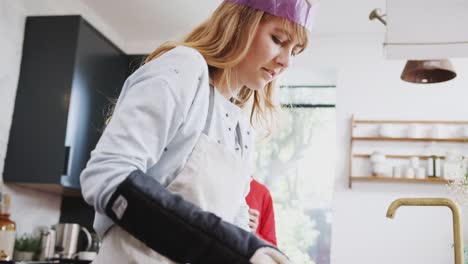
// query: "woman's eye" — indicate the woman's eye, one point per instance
point(295, 53)
point(277, 40)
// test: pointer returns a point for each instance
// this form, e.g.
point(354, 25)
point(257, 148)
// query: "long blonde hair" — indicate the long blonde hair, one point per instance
point(224, 40)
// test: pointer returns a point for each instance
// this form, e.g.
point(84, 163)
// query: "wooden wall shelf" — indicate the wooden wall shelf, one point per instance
point(458, 140)
point(355, 139)
point(421, 157)
point(442, 122)
point(389, 179)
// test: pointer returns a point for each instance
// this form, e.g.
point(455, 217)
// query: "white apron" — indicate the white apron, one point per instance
point(214, 178)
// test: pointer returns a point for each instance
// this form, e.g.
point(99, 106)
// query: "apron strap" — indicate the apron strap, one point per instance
point(209, 117)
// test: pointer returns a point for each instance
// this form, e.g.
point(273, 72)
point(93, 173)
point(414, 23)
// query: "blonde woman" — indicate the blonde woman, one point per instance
point(169, 176)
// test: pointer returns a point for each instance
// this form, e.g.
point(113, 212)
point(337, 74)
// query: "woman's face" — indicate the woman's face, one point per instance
point(269, 55)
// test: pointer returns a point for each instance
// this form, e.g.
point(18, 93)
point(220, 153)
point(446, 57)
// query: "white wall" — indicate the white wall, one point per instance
point(369, 87)
point(30, 209)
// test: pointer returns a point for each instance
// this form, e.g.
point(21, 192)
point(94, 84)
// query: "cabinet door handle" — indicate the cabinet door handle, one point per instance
point(66, 161)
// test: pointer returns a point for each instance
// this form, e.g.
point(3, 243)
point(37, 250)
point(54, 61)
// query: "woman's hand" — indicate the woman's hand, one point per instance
point(253, 219)
point(267, 255)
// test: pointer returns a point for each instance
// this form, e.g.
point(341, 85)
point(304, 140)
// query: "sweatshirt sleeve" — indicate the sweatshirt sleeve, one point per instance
point(267, 229)
point(152, 106)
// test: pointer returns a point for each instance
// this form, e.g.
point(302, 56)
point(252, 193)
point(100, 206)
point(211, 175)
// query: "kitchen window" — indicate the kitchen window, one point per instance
point(297, 164)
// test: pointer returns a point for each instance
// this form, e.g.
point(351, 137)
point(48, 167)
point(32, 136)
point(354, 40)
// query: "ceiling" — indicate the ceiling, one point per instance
point(148, 21)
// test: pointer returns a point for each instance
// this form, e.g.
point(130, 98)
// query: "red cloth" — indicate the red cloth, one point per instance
point(259, 198)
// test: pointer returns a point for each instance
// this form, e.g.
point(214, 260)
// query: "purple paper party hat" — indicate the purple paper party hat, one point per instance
point(299, 11)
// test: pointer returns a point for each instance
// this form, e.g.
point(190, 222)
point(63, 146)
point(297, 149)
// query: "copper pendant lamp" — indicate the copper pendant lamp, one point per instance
point(422, 71)
point(428, 71)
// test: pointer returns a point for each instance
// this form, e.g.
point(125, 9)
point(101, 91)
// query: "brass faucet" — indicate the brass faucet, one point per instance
point(457, 235)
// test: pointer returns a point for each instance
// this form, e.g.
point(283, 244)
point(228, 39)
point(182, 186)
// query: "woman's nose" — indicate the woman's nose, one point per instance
point(284, 59)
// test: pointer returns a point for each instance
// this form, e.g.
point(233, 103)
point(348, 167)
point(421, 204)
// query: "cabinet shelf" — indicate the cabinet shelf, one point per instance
point(389, 179)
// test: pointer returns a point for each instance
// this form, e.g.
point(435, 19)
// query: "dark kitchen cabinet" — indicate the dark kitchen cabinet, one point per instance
point(69, 71)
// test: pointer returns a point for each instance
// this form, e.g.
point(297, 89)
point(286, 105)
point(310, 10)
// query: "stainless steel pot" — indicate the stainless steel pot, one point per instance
point(47, 244)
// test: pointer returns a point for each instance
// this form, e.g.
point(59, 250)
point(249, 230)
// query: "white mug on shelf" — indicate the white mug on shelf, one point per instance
point(414, 131)
point(437, 131)
point(409, 173)
point(381, 169)
point(386, 130)
point(437, 167)
point(464, 132)
point(397, 172)
point(414, 162)
point(421, 173)
point(377, 157)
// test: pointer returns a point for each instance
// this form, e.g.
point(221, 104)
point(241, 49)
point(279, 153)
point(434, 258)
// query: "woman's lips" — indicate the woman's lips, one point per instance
point(270, 73)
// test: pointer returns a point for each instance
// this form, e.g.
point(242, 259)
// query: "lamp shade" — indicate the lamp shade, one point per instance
point(428, 71)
